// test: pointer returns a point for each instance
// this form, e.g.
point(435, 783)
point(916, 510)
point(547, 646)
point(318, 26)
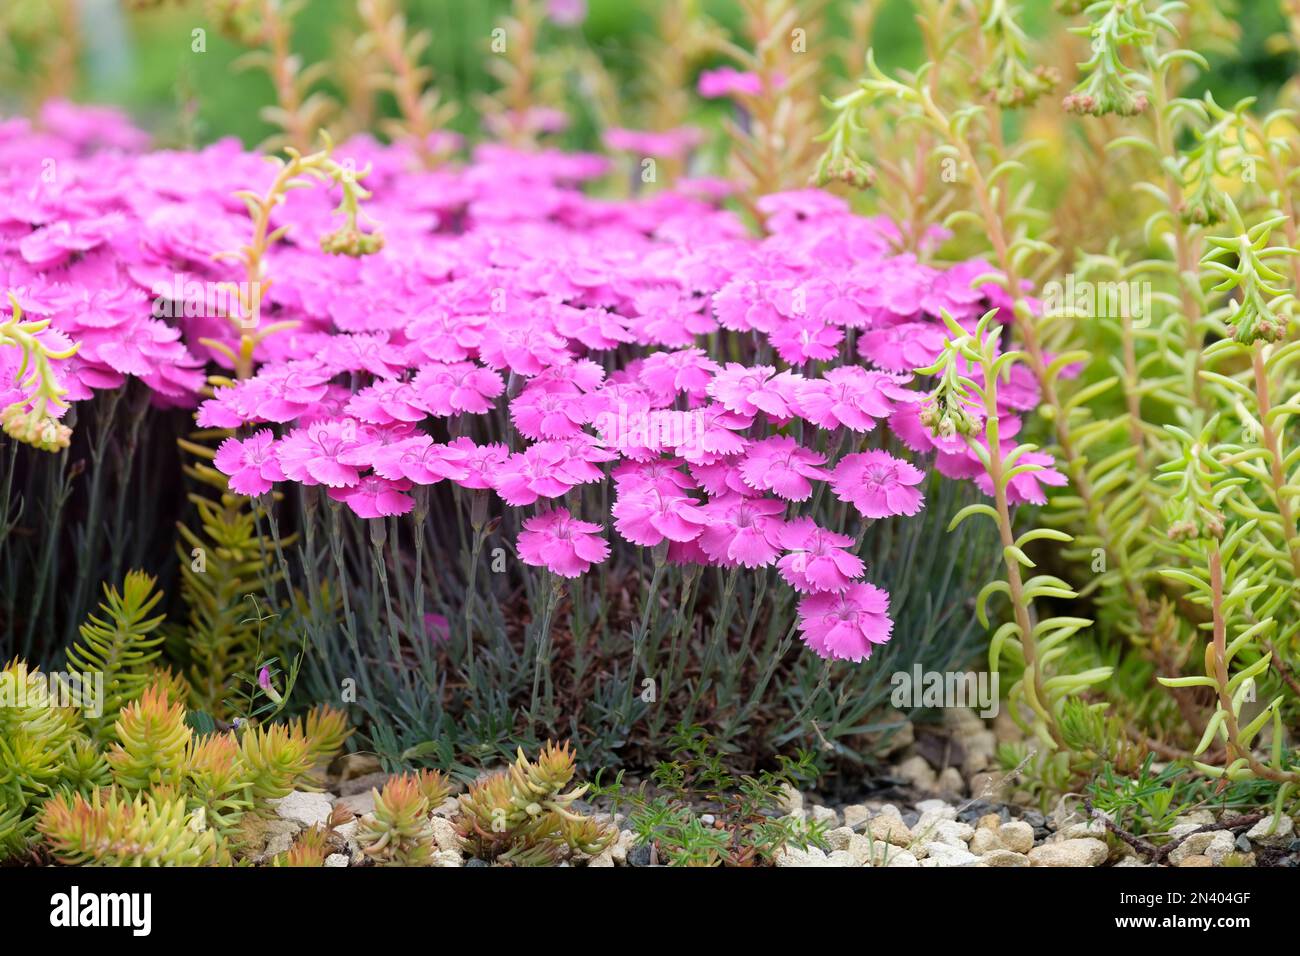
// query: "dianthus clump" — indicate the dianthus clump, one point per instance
point(600, 375)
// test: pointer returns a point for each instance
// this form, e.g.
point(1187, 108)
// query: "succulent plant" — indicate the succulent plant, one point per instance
point(521, 815)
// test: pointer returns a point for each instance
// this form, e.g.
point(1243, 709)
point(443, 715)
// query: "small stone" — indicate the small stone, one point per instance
point(1238, 859)
point(918, 773)
point(336, 859)
point(1213, 844)
point(789, 856)
point(445, 835)
point(825, 815)
point(639, 855)
point(902, 858)
point(622, 847)
point(938, 808)
point(1179, 830)
point(889, 829)
point(604, 859)
point(1082, 852)
point(1264, 831)
point(1220, 847)
point(839, 838)
point(1034, 819)
point(990, 821)
point(305, 809)
point(856, 815)
point(1202, 818)
point(1004, 858)
point(351, 766)
point(279, 835)
point(1243, 844)
point(1132, 861)
point(446, 858)
point(943, 854)
point(981, 747)
point(1194, 859)
point(951, 781)
point(1075, 831)
point(359, 803)
point(843, 858)
point(950, 832)
point(985, 842)
point(363, 784)
point(708, 819)
point(861, 849)
point(448, 808)
point(1017, 835)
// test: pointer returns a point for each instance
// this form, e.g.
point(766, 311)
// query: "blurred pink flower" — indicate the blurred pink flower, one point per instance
point(728, 81)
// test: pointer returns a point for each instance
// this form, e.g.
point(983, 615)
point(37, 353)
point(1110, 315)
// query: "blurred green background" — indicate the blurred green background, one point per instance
point(142, 59)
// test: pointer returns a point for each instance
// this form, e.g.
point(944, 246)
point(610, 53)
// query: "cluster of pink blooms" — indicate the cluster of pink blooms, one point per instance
point(580, 339)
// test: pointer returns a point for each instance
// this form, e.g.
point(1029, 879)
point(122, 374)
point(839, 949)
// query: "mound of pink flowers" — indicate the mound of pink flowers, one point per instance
point(520, 335)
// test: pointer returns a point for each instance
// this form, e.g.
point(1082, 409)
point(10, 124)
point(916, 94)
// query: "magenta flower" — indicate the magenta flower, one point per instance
point(474, 466)
point(566, 13)
point(375, 497)
point(443, 337)
point(669, 144)
point(251, 463)
point(745, 531)
point(712, 433)
point(522, 347)
point(721, 476)
point(662, 474)
point(417, 459)
point(852, 397)
point(845, 625)
point(386, 402)
point(817, 559)
point(561, 543)
point(902, 348)
point(534, 473)
point(648, 517)
point(686, 371)
point(455, 387)
point(878, 484)
point(743, 305)
point(780, 465)
point(748, 391)
point(728, 81)
point(311, 455)
point(1027, 487)
point(540, 413)
point(803, 340)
